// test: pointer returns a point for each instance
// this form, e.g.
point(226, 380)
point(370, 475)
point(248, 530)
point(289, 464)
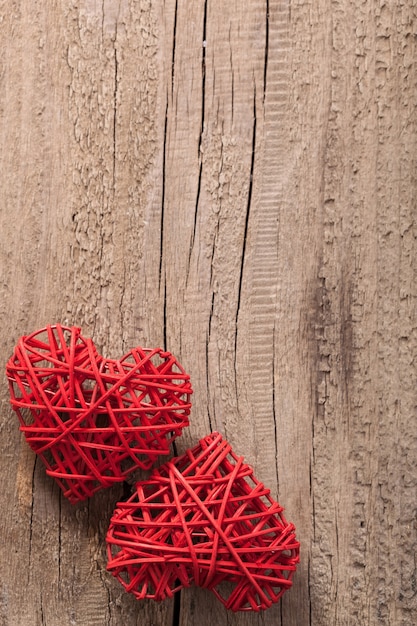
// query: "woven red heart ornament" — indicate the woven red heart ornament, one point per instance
point(204, 519)
point(94, 420)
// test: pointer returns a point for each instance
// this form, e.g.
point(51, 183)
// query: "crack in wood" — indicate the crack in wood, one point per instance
point(31, 517)
point(60, 496)
point(266, 48)
point(163, 189)
point(176, 613)
point(43, 622)
point(174, 39)
point(247, 217)
point(115, 98)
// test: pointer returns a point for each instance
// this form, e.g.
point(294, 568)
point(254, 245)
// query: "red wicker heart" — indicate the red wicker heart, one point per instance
point(94, 420)
point(204, 519)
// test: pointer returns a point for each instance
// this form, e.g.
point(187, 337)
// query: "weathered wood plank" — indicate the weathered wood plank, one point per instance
point(234, 182)
point(77, 197)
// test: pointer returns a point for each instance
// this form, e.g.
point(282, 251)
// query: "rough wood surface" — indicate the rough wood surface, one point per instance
point(234, 181)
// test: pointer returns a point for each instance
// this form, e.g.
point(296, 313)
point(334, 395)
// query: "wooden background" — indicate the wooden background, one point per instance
point(233, 181)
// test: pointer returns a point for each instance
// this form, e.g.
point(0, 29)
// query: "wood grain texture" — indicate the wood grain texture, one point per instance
point(234, 182)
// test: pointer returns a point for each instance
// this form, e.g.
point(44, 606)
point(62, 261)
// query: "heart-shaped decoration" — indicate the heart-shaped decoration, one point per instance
point(204, 519)
point(94, 420)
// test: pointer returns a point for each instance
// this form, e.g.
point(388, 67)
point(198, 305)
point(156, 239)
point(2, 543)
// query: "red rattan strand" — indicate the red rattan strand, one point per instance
point(204, 519)
point(94, 420)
